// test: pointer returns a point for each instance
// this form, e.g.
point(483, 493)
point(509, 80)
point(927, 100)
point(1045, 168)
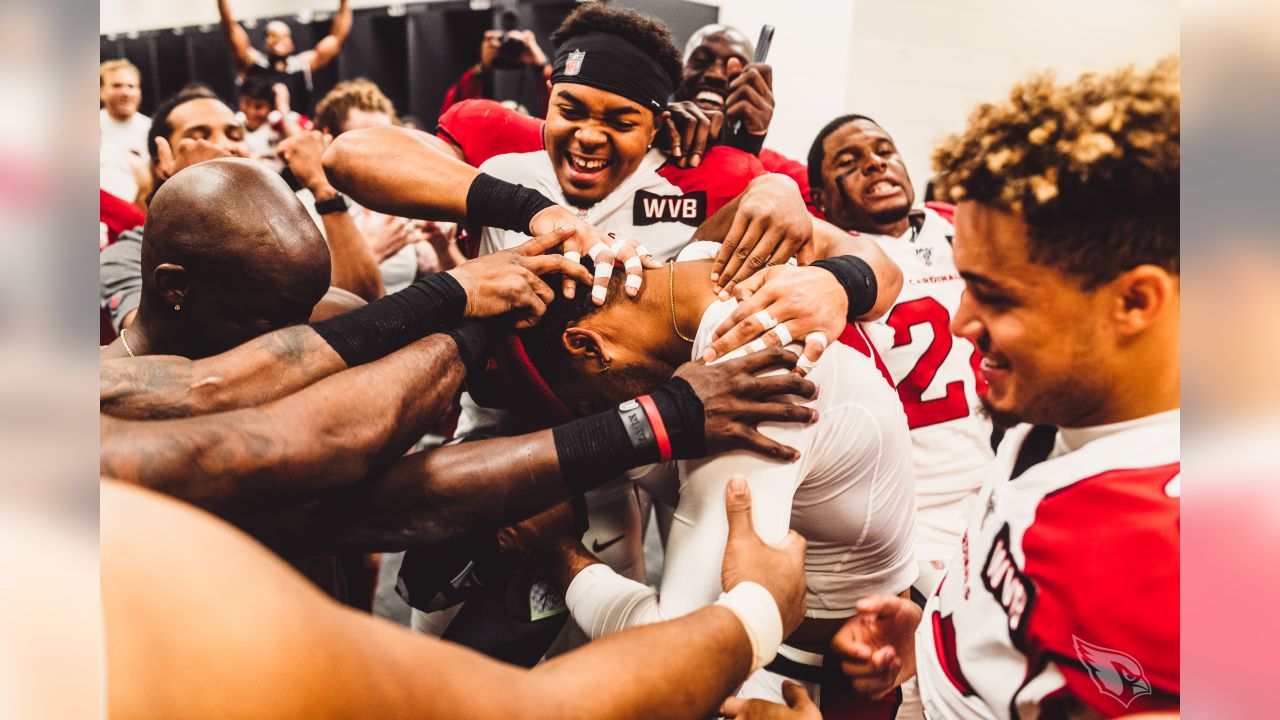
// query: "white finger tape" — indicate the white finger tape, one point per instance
point(617, 247)
point(766, 320)
point(594, 252)
point(806, 364)
point(573, 256)
point(757, 345)
point(818, 335)
point(599, 293)
point(632, 263)
point(633, 281)
point(784, 335)
point(643, 251)
point(603, 270)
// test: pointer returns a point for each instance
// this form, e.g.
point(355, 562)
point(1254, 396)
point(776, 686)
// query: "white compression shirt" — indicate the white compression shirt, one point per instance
point(851, 495)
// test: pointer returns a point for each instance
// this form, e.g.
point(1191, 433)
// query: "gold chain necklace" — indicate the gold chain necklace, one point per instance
point(671, 295)
point(125, 340)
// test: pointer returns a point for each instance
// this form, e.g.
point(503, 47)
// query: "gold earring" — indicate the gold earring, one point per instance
point(606, 364)
point(177, 306)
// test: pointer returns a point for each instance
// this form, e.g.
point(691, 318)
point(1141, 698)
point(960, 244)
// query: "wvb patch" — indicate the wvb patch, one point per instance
point(690, 209)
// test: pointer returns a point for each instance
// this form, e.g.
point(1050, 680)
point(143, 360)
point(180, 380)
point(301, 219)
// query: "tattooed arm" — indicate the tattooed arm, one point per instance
point(330, 435)
point(264, 369)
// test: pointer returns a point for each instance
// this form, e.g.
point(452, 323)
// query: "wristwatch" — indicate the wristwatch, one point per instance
point(337, 203)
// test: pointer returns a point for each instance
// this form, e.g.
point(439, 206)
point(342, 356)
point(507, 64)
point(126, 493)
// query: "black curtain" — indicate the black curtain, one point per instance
point(413, 52)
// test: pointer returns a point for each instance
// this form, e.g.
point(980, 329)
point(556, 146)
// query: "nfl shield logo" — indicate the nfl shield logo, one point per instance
point(573, 65)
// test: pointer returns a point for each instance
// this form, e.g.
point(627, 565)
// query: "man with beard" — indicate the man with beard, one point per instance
point(1062, 600)
point(280, 64)
point(861, 184)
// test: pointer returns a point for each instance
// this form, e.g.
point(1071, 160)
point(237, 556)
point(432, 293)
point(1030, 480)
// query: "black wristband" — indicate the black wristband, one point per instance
point(497, 203)
point(684, 417)
point(600, 447)
point(472, 339)
point(747, 142)
point(858, 280)
point(388, 324)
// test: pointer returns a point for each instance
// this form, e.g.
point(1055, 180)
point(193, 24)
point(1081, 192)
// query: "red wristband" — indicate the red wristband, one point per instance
point(659, 430)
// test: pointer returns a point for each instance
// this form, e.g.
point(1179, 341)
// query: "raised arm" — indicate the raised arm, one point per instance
point(167, 634)
point(266, 368)
point(282, 362)
point(768, 224)
point(430, 497)
point(330, 45)
point(237, 38)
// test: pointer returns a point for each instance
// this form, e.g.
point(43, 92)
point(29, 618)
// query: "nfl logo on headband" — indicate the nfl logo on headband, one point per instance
point(573, 65)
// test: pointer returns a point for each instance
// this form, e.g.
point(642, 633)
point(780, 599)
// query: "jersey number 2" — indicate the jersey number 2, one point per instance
point(951, 406)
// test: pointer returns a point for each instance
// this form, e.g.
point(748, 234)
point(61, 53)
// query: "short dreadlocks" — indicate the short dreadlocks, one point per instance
point(1091, 166)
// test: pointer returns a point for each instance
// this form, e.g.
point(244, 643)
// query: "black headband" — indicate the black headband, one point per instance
point(610, 63)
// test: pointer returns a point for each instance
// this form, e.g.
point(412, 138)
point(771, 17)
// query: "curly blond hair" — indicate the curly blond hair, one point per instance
point(1091, 166)
point(348, 95)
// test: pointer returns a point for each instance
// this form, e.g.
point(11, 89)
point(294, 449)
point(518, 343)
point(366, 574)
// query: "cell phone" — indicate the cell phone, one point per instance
point(734, 133)
point(762, 45)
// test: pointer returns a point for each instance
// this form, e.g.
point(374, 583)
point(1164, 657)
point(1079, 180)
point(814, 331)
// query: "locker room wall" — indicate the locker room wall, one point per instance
point(413, 52)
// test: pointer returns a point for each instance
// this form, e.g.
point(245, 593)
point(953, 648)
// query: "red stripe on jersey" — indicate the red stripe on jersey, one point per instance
point(1103, 556)
point(944, 646)
point(856, 338)
point(723, 174)
point(778, 163)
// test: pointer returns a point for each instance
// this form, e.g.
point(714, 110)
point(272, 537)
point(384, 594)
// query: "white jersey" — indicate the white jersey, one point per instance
point(937, 380)
point(658, 204)
point(1064, 594)
point(851, 495)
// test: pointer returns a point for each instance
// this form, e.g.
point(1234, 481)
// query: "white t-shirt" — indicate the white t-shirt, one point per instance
point(851, 495)
point(130, 135)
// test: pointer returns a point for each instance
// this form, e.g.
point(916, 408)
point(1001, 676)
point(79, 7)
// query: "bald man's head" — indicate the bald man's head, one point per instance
point(228, 253)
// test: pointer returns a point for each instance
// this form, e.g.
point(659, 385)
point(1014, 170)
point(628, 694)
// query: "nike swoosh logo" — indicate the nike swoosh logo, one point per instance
point(597, 546)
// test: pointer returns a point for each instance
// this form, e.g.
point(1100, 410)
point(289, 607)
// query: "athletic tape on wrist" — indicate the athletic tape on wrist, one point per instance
point(758, 612)
point(472, 339)
point(858, 280)
point(497, 203)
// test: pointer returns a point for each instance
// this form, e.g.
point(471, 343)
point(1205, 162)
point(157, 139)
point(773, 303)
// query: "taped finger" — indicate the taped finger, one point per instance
point(784, 334)
point(633, 263)
point(573, 256)
point(643, 251)
point(617, 248)
point(767, 321)
point(596, 251)
point(634, 281)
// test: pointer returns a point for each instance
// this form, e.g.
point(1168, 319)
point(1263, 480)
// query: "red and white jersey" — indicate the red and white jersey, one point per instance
point(935, 372)
point(1063, 598)
point(659, 204)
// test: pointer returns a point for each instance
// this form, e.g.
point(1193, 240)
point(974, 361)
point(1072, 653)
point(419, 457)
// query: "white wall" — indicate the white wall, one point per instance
point(920, 66)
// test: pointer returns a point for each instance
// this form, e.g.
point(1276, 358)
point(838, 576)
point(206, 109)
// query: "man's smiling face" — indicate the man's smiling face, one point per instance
point(596, 139)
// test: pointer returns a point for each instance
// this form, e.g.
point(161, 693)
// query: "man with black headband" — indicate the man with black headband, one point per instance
point(860, 182)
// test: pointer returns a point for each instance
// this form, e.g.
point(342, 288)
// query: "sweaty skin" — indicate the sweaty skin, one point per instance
point(216, 274)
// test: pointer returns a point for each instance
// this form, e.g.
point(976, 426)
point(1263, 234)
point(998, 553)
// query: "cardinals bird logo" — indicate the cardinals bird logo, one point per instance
point(1115, 673)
